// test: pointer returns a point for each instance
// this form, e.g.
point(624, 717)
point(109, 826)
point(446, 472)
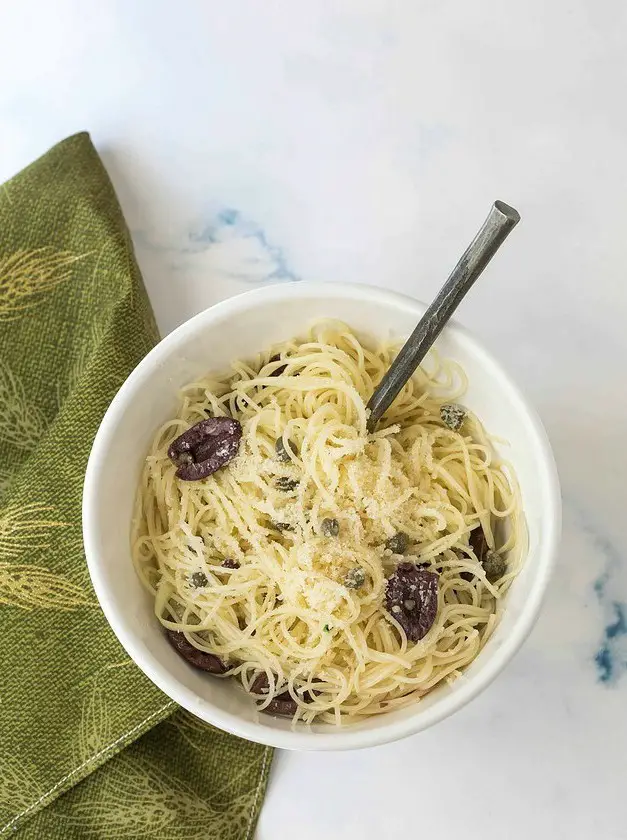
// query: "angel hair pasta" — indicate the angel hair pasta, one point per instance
point(334, 573)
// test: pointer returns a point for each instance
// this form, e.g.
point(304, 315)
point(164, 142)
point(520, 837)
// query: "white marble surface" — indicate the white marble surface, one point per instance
point(261, 140)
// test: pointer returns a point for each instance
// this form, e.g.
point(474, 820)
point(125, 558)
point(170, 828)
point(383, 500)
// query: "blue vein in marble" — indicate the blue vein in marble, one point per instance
point(230, 225)
point(236, 247)
point(611, 656)
point(609, 659)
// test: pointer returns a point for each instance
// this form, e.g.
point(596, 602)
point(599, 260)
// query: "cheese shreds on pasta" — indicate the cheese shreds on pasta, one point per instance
point(286, 610)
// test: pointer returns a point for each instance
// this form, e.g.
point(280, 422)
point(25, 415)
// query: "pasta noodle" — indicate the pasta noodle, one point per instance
point(285, 605)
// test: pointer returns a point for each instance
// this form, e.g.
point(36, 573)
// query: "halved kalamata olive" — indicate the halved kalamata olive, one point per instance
point(412, 598)
point(260, 684)
point(198, 658)
point(478, 543)
point(283, 704)
point(205, 447)
point(494, 565)
point(281, 368)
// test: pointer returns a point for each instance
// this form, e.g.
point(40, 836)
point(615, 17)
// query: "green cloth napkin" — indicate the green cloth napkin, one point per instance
point(76, 716)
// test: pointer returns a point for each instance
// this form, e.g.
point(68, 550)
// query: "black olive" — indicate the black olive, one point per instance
point(281, 368)
point(260, 684)
point(205, 447)
point(198, 658)
point(282, 704)
point(411, 596)
point(478, 543)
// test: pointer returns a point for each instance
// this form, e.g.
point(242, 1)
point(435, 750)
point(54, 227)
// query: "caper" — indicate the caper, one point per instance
point(494, 566)
point(286, 484)
point(398, 544)
point(199, 579)
point(330, 527)
point(281, 526)
point(355, 578)
point(281, 451)
point(453, 415)
point(230, 563)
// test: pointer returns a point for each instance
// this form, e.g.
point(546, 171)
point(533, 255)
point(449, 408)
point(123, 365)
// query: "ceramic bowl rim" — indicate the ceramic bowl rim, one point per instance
point(347, 738)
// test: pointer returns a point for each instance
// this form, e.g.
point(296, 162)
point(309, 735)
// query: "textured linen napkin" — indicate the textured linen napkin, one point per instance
point(76, 716)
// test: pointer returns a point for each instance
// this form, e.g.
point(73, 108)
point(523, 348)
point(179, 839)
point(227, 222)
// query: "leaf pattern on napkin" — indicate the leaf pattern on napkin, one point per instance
point(19, 785)
point(139, 800)
point(74, 321)
point(190, 728)
point(26, 276)
point(92, 339)
point(21, 423)
point(29, 587)
point(94, 730)
point(6, 476)
point(74, 563)
point(22, 528)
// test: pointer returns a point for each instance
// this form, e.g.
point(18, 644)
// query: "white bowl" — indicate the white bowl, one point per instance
point(240, 327)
